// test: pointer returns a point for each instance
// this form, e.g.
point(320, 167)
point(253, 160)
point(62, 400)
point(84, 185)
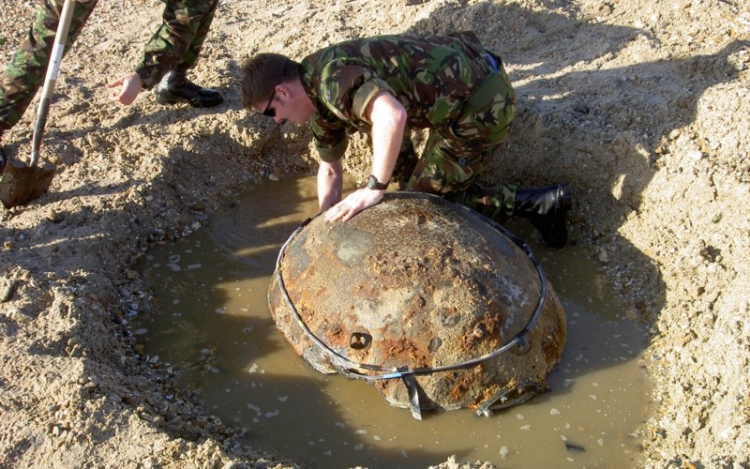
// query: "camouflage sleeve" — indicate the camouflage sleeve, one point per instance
point(344, 91)
point(178, 40)
point(365, 94)
point(331, 153)
point(329, 137)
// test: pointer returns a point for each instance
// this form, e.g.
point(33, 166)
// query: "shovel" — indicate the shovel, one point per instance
point(22, 184)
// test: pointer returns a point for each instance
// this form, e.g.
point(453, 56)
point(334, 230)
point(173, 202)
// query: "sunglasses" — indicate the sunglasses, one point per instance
point(272, 112)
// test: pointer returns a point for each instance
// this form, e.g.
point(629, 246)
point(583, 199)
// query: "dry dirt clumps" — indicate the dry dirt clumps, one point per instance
point(642, 106)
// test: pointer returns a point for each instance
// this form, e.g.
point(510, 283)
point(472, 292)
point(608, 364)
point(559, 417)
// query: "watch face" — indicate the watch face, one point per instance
point(373, 183)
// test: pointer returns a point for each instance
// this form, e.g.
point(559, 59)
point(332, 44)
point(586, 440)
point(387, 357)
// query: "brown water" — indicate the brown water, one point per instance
point(212, 323)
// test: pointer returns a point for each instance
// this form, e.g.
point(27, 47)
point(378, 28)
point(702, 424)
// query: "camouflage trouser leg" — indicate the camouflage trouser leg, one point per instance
point(26, 71)
point(454, 157)
point(184, 29)
point(496, 203)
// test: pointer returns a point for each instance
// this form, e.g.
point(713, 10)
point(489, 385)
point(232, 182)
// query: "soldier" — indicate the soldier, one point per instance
point(171, 51)
point(387, 85)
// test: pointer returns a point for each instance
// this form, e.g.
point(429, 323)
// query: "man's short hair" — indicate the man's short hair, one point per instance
point(261, 74)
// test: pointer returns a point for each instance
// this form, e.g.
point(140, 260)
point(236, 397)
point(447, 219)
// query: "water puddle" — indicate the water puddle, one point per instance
point(211, 322)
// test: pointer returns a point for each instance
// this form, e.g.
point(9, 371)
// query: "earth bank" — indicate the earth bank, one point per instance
point(642, 107)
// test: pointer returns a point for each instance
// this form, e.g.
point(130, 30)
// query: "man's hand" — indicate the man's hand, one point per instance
point(125, 89)
point(388, 118)
point(355, 202)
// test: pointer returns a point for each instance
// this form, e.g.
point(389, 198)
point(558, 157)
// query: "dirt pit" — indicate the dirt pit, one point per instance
point(642, 107)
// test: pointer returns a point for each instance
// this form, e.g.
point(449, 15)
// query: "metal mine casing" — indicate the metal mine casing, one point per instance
point(420, 296)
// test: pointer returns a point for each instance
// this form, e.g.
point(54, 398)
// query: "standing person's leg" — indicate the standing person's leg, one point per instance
point(176, 47)
point(203, 15)
point(25, 73)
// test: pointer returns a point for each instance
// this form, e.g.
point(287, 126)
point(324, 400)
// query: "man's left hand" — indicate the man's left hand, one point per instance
point(355, 202)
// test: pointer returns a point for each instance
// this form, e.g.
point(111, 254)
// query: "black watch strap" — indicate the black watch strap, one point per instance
point(373, 183)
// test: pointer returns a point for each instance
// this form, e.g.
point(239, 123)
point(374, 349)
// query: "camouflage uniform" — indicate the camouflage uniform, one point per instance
point(450, 85)
point(175, 45)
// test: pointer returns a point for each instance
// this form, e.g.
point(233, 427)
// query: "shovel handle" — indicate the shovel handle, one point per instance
point(61, 36)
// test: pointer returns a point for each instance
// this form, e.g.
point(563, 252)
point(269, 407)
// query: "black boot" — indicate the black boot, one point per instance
point(545, 208)
point(175, 88)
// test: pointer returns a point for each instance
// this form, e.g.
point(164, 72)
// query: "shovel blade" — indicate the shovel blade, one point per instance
point(21, 184)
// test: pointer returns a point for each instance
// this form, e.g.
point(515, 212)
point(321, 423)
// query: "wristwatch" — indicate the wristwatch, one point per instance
point(374, 184)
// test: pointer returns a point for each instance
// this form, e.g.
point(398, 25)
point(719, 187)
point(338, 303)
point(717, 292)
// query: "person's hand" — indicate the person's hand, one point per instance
point(355, 202)
point(125, 89)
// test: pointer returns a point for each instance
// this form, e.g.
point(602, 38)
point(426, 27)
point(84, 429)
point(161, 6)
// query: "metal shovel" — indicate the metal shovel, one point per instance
point(21, 184)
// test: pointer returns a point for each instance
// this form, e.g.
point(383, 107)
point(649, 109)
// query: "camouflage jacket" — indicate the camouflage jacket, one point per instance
point(432, 77)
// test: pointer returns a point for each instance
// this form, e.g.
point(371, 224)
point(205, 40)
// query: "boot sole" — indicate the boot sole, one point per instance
point(164, 100)
point(166, 97)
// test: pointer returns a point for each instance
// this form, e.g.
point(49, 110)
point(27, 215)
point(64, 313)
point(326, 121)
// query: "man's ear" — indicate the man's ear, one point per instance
point(283, 89)
point(291, 89)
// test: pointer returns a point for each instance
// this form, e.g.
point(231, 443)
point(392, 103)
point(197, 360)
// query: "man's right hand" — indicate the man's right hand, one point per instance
point(353, 204)
point(125, 89)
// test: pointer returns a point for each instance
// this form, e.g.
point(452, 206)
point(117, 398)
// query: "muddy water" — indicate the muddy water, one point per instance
point(212, 323)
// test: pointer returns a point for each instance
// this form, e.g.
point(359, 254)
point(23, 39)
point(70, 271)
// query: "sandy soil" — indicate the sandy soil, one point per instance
point(642, 106)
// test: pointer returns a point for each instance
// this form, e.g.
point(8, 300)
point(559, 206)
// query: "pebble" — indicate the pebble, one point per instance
point(53, 216)
point(6, 289)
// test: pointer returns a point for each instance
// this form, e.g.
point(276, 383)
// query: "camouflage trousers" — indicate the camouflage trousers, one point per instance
point(455, 155)
point(175, 45)
point(26, 71)
point(178, 41)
